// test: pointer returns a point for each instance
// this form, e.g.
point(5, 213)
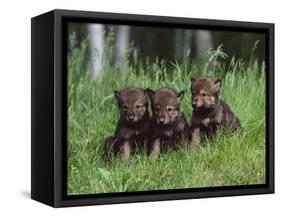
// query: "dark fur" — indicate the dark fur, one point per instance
point(133, 124)
point(209, 111)
point(168, 123)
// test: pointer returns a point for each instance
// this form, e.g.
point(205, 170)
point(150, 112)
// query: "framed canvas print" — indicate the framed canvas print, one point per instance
point(133, 108)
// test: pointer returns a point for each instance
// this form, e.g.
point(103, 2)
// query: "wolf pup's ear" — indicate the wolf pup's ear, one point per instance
point(117, 94)
point(218, 85)
point(180, 95)
point(150, 93)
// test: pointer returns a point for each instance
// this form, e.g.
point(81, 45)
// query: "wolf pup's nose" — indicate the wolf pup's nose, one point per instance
point(161, 120)
point(131, 117)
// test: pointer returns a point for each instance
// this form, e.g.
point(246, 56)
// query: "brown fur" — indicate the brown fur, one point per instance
point(133, 124)
point(209, 110)
point(168, 122)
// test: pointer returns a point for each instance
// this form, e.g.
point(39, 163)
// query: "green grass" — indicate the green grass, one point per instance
point(228, 159)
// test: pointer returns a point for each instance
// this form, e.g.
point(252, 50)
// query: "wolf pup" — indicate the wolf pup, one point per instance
point(133, 124)
point(209, 110)
point(168, 123)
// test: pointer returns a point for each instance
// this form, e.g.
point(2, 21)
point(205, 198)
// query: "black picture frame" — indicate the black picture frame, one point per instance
point(48, 108)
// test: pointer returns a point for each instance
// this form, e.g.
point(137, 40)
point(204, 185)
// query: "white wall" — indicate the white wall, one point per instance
point(15, 106)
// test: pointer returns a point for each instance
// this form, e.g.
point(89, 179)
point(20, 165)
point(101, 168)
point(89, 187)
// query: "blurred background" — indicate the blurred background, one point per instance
point(161, 43)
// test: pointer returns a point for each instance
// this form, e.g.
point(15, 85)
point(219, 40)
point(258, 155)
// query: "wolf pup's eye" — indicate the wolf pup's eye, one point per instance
point(169, 109)
point(125, 108)
point(139, 106)
point(204, 94)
